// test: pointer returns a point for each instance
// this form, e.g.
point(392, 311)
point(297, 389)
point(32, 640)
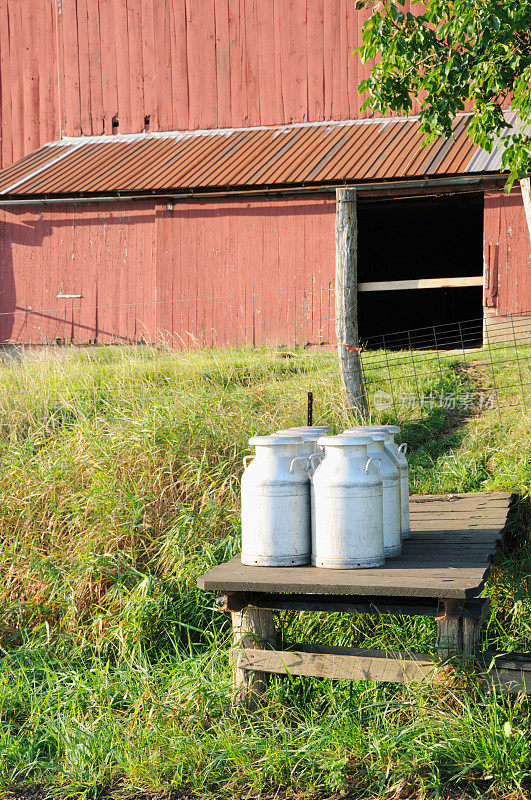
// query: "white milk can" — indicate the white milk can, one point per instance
point(276, 504)
point(399, 454)
point(347, 491)
point(308, 446)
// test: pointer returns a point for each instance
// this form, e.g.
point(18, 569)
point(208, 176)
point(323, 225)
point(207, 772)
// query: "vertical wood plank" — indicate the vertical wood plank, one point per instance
point(85, 77)
point(221, 12)
point(136, 84)
point(299, 56)
point(201, 50)
point(163, 64)
point(251, 62)
point(123, 64)
point(6, 149)
point(315, 49)
point(108, 63)
point(17, 78)
point(238, 93)
point(94, 58)
point(252, 627)
point(179, 61)
point(72, 100)
point(148, 63)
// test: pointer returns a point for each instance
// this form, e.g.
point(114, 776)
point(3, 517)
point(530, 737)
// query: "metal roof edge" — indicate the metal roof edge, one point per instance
point(427, 182)
point(185, 134)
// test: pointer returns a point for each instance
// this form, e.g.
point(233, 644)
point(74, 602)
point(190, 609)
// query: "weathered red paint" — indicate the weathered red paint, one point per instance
point(507, 254)
point(68, 67)
point(212, 273)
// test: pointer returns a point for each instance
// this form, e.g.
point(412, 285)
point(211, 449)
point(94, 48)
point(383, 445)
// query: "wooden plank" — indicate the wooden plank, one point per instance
point(85, 78)
point(136, 81)
point(123, 65)
point(238, 92)
point(163, 50)
point(94, 52)
point(453, 565)
point(508, 681)
point(148, 65)
point(265, 39)
point(343, 663)
point(419, 283)
point(518, 661)
point(179, 65)
point(200, 26)
point(221, 11)
point(108, 63)
point(252, 64)
point(72, 103)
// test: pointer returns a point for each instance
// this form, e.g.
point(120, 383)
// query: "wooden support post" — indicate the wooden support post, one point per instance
point(346, 301)
point(449, 628)
point(459, 628)
point(253, 628)
point(449, 637)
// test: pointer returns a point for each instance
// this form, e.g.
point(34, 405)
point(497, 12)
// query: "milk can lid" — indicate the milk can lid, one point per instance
point(309, 429)
point(274, 439)
point(371, 428)
point(307, 436)
point(344, 441)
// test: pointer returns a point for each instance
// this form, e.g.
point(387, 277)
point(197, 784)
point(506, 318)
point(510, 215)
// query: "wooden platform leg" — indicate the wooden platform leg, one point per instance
point(449, 637)
point(255, 628)
point(472, 624)
point(449, 629)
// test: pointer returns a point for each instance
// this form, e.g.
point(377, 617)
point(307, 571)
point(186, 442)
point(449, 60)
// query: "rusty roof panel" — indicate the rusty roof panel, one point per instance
point(355, 150)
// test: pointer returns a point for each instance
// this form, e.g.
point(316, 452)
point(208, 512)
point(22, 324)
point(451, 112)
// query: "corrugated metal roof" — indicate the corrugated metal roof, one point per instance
point(324, 152)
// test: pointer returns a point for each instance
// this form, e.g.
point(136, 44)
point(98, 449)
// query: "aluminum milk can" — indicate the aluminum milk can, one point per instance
point(399, 454)
point(276, 504)
point(308, 446)
point(347, 502)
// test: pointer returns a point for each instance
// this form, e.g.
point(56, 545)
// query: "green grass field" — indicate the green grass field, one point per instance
point(120, 482)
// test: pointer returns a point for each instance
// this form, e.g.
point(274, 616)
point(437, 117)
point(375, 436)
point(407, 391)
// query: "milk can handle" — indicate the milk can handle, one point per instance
point(403, 448)
point(315, 455)
point(373, 458)
point(305, 467)
point(245, 459)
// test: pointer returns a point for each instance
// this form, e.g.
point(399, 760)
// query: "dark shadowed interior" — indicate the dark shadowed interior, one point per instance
point(401, 239)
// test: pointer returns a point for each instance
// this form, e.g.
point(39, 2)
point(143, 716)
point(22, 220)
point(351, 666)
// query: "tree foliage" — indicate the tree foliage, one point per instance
point(455, 56)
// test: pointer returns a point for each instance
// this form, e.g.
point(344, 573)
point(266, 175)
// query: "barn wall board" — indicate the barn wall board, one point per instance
point(198, 273)
point(507, 255)
point(71, 67)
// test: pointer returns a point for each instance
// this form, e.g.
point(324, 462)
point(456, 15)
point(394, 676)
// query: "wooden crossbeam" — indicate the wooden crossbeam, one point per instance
point(420, 283)
point(347, 663)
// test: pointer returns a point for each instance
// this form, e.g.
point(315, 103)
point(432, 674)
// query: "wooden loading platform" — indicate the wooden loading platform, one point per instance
point(440, 573)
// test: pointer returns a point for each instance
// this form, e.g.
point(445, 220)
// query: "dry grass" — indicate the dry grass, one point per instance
point(120, 476)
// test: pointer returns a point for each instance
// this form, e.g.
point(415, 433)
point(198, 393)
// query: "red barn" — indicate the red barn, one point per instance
point(170, 168)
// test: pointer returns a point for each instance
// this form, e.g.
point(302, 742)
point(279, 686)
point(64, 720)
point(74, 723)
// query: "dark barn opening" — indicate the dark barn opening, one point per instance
point(418, 238)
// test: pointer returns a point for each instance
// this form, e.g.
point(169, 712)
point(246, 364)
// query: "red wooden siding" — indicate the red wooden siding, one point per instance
point(507, 254)
point(214, 273)
point(68, 67)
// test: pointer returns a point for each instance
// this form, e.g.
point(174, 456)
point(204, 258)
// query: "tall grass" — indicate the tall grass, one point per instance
point(120, 481)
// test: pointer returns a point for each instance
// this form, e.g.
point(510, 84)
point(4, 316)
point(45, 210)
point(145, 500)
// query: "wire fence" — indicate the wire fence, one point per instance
point(426, 368)
point(413, 368)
